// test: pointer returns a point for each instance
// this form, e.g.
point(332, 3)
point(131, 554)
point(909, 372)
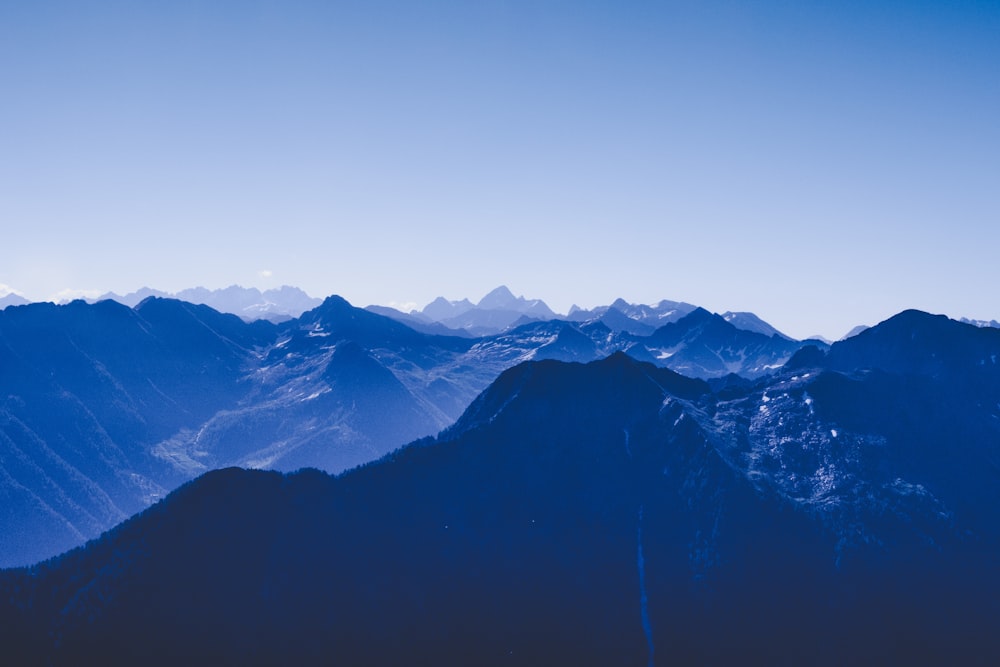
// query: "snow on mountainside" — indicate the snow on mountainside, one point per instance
point(500, 311)
point(981, 323)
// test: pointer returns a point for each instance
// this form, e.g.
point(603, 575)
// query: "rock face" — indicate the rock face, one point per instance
point(843, 510)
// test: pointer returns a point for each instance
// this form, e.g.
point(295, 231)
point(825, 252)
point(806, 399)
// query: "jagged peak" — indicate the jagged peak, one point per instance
point(500, 297)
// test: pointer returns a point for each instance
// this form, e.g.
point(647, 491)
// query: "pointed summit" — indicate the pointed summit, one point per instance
point(499, 299)
point(441, 308)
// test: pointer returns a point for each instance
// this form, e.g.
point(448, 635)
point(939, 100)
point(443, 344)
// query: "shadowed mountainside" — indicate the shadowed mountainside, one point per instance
point(608, 513)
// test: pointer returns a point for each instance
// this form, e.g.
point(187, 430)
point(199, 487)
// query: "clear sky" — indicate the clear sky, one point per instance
point(822, 164)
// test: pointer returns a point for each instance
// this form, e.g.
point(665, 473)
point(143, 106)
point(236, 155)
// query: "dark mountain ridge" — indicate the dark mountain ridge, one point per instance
point(607, 513)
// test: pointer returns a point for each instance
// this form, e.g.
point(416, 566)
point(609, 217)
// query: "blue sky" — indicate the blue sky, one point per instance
point(822, 164)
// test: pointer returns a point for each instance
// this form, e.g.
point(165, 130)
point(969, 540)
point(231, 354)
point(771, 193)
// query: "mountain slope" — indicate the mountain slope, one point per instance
point(88, 390)
point(703, 344)
point(608, 513)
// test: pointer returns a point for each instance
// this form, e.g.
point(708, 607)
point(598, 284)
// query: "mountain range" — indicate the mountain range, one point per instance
point(276, 305)
point(842, 508)
point(108, 407)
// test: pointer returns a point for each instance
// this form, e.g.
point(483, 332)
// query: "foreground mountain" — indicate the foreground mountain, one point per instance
point(845, 510)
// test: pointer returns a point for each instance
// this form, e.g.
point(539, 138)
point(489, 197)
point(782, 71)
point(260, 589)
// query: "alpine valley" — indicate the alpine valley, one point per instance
point(628, 485)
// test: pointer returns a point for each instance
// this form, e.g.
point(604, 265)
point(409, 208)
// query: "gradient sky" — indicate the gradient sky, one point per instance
point(822, 164)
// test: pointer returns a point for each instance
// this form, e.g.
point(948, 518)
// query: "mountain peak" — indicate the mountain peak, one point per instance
point(915, 342)
point(499, 299)
point(441, 308)
point(698, 316)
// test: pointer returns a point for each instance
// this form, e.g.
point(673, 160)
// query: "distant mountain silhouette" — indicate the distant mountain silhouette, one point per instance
point(981, 323)
point(250, 303)
point(496, 312)
point(12, 300)
point(441, 309)
point(653, 316)
point(418, 322)
point(607, 513)
point(501, 311)
point(855, 331)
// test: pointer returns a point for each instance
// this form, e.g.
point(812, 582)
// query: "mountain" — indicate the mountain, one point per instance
point(855, 331)
point(651, 316)
point(607, 513)
point(12, 299)
point(133, 299)
point(617, 320)
point(981, 323)
point(107, 408)
point(917, 343)
point(88, 392)
point(501, 298)
point(277, 305)
point(417, 322)
point(441, 309)
point(702, 344)
point(335, 388)
point(496, 312)
point(501, 311)
point(750, 322)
